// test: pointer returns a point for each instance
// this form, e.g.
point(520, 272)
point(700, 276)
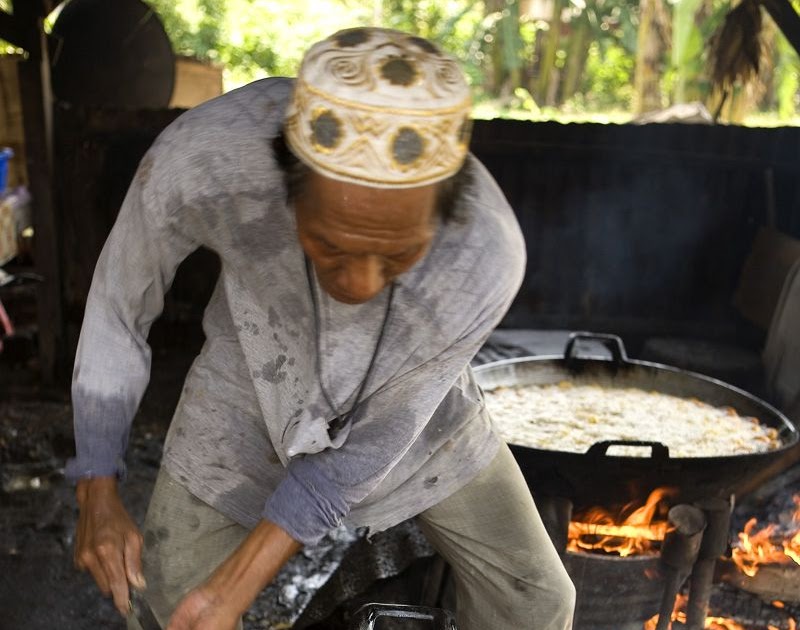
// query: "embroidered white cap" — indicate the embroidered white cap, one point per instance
point(380, 108)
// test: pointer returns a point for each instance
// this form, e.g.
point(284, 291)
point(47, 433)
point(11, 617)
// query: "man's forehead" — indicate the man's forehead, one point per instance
point(335, 202)
point(345, 208)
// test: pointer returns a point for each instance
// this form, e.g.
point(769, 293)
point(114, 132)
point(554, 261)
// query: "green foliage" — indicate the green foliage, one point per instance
point(256, 38)
point(455, 25)
point(787, 79)
point(251, 38)
point(614, 22)
point(9, 49)
point(5, 47)
point(693, 25)
point(687, 46)
point(510, 40)
point(497, 46)
point(686, 41)
point(608, 80)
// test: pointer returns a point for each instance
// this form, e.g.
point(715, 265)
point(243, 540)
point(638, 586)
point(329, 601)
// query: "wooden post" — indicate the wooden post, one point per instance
point(37, 107)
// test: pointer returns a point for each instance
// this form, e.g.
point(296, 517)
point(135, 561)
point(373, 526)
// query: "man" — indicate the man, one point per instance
point(365, 259)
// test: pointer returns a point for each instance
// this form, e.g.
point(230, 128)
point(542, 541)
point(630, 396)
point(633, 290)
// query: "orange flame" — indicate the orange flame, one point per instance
point(711, 623)
point(633, 534)
point(767, 545)
point(679, 614)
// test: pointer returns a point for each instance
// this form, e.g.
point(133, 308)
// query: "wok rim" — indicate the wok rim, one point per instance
point(788, 432)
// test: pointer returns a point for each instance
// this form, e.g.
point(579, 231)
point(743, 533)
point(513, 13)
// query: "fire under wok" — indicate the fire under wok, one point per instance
point(595, 477)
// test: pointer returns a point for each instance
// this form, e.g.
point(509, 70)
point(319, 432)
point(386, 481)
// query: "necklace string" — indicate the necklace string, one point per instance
point(341, 418)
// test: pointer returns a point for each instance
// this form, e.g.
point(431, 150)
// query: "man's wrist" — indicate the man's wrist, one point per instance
point(94, 486)
point(253, 565)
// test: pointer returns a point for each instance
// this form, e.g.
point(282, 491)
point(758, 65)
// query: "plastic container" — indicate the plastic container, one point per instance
point(5, 156)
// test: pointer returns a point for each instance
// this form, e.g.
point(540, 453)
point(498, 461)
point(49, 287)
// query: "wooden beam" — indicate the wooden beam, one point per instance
point(786, 18)
point(11, 31)
point(37, 107)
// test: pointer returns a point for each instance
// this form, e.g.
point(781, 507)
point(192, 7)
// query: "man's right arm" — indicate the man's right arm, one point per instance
point(112, 369)
point(112, 366)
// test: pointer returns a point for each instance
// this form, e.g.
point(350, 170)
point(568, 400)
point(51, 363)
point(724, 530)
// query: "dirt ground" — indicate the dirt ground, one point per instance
point(39, 587)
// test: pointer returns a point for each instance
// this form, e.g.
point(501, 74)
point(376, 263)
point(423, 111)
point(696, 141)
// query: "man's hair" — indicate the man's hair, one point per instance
point(448, 198)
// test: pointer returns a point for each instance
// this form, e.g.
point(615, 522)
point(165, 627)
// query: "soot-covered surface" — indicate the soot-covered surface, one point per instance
point(39, 586)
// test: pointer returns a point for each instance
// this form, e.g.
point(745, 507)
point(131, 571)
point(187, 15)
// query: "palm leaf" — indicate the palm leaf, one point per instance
point(736, 47)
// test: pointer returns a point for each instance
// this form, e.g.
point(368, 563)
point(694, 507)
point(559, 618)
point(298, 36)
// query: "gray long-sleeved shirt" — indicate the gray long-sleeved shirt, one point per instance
point(250, 434)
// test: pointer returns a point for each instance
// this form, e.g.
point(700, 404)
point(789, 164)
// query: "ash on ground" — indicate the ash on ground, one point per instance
point(40, 588)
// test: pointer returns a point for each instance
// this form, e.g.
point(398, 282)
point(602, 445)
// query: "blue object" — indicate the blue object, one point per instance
point(5, 156)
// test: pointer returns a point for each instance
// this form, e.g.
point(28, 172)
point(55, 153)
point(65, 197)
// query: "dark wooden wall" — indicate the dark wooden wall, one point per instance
point(97, 153)
point(640, 229)
point(633, 229)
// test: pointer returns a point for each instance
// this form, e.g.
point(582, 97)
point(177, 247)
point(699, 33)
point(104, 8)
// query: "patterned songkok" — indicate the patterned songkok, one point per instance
point(380, 108)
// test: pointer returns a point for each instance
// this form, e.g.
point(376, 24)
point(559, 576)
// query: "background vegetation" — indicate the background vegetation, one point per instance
point(605, 60)
point(565, 59)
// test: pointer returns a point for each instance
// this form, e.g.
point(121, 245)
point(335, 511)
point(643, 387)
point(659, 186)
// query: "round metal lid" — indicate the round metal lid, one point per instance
point(111, 53)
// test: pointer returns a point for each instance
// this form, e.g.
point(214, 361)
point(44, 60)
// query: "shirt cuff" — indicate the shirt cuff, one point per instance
point(102, 425)
point(77, 469)
point(306, 503)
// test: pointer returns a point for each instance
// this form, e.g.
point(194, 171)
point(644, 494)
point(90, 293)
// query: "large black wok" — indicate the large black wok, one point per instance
point(596, 478)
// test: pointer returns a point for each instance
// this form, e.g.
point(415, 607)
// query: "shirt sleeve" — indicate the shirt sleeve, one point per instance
point(319, 490)
point(112, 366)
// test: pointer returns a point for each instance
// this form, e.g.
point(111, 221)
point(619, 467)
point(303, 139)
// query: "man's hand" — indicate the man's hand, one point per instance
point(202, 609)
point(108, 543)
point(225, 596)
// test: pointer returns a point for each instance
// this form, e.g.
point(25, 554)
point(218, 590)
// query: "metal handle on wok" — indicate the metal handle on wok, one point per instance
point(600, 449)
point(367, 616)
point(612, 342)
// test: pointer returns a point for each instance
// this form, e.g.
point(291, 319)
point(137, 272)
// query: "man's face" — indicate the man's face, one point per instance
point(361, 238)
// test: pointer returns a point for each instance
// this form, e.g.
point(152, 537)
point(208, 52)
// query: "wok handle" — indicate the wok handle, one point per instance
point(612, 342)
point(657, 449)
point(367, 616)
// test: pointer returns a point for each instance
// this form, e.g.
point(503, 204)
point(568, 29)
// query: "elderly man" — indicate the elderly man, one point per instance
point(365, 259)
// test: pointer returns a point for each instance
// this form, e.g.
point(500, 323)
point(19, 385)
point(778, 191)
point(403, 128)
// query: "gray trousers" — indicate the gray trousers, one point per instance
point(507, 574)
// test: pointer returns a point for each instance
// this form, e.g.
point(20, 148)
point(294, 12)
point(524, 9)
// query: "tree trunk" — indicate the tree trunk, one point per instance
point(497, 75)
point(576, 57)
point(550, 50)
point(649, 51)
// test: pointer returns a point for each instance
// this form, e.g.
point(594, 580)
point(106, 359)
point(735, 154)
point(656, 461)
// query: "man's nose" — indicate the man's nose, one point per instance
point(361, 277)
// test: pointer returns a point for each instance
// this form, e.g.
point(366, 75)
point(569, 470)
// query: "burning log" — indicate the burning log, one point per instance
point(772, 581)
point(637, 533)
point(651, 533)
point(733, 609)
point(768, 557)
point(679, 615)
point(612, 556)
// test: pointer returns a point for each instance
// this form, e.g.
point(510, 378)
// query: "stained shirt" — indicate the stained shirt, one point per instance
point(251, 434)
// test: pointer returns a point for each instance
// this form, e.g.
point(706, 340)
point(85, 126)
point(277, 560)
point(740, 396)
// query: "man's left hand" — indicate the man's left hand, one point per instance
point(204, 609)
point(225, 596)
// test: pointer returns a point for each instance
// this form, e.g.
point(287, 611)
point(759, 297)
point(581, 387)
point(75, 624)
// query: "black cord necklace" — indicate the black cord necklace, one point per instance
point(341, 419)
